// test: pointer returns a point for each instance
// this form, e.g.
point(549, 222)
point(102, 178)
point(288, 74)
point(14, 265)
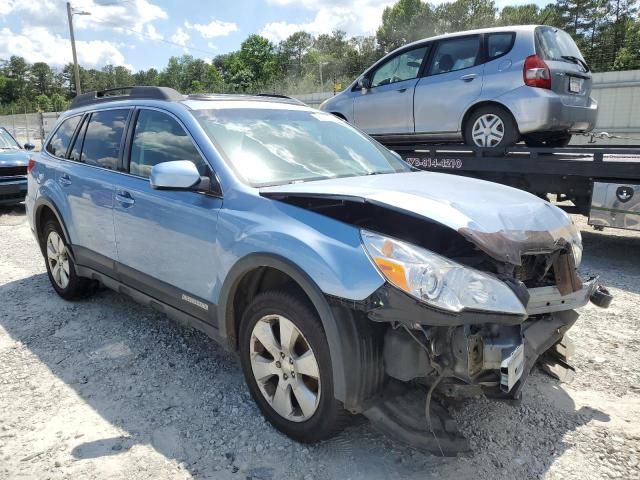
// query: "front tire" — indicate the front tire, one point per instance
point(60, 266)
point(286, 363)
point(490, 126)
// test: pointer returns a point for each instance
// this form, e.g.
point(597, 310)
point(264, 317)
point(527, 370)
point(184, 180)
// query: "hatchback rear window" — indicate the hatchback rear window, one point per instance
point(554, 44)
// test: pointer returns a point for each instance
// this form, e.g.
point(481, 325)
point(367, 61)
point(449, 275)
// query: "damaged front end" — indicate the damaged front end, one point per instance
point(458, 332)
point(475, 294)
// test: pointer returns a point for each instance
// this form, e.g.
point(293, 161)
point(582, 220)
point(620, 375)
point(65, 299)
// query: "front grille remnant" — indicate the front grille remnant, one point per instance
point(13, 171)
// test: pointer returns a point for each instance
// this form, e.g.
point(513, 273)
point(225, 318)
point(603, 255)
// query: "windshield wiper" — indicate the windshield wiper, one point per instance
point(577, 61)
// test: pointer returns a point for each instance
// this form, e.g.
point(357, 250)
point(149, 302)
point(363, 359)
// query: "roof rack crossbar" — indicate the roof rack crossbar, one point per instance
point(126, 93)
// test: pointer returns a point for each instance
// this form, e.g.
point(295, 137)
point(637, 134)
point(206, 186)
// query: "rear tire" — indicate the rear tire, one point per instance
point(60, 266)
point(275, 373)
point(548, 142)
point(491, 126)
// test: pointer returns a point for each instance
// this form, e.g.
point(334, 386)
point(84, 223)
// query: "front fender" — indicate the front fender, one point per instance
point(355, 354)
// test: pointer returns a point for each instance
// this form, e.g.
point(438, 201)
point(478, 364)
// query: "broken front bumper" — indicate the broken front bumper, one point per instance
point(476, 352)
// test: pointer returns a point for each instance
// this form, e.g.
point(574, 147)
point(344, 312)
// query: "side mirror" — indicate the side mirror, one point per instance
point(29, 146)
point(176, 175)
point(364, 82)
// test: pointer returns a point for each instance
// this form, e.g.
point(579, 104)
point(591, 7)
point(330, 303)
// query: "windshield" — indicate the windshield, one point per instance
point(274, 146)
point(7, 141)
point(554, 44)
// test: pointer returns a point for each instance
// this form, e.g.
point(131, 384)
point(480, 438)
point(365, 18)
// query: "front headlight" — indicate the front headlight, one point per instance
point(436, 280)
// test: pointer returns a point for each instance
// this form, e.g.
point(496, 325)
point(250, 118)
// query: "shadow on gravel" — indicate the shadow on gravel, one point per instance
point(12, 215)
point(615, 256)
point(181, 393)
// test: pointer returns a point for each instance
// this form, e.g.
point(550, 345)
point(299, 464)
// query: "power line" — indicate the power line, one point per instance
point(143, 34)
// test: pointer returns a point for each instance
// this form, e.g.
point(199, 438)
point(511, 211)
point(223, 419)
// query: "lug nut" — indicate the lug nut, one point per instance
point(285, 376)
point(293, 374)
point(278, 364)
point(290, 360)
point(281, 354)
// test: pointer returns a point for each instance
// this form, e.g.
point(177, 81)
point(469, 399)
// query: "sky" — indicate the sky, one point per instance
point(141, 34)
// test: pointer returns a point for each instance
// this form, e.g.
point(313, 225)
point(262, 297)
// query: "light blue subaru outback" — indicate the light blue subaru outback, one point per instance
point(347, 281)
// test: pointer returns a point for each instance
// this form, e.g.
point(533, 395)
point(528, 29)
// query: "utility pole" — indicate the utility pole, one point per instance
point(76, 70)
point(320, 64)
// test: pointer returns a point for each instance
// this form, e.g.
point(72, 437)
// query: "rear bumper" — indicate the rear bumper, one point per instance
point(12, 190)
point(540, 110)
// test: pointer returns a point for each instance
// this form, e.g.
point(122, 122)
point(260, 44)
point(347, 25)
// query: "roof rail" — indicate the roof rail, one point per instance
point(278, 95)
point(126, 93)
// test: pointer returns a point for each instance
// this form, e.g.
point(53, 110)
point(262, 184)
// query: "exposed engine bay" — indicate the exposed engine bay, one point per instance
point(433, 354)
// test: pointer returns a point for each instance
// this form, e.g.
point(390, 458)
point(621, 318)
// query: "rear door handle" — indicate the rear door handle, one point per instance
point(402, 90)
point(64, 180)
point(468, 77)
point(124, 198)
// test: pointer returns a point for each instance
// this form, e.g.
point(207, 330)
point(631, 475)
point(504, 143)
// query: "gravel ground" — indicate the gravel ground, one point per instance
point(105, 388)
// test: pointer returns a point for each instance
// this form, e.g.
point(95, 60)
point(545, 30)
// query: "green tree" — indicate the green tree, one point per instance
point(293, 51)
point(465, 15)
point(258, 56)
point(41, 77)
point(43, 103)
point(404, 22)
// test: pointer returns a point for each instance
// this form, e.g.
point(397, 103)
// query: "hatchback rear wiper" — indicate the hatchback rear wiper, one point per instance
point(577, 61)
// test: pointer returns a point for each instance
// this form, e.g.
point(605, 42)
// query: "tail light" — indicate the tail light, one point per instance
point(536, 73)
point(30, 165)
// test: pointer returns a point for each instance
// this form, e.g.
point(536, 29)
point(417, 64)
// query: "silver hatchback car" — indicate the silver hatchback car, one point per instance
point(491, 87)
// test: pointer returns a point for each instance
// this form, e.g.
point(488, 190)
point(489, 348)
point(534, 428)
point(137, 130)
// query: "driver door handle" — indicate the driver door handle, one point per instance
point(468, 77)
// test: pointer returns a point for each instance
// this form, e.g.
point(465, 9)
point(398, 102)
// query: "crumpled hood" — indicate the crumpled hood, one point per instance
point(502, 221)
point(13, 158)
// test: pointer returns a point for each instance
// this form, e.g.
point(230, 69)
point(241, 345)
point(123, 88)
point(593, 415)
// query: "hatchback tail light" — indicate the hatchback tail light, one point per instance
point(536, 72)
point(30, 165)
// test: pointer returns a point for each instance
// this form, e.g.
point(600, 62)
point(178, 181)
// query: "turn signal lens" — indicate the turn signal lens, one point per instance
point(30, 165)
point(393, 271)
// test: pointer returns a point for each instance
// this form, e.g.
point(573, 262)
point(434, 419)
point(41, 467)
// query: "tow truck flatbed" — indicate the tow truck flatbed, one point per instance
point(602, 182)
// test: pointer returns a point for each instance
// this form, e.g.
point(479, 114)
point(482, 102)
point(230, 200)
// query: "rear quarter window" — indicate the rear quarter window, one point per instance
point(499, 44)
point(59, 143)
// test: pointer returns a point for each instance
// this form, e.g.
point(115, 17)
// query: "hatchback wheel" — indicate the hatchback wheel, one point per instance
point(489, 127)
point(60, 266)
point(286, 362)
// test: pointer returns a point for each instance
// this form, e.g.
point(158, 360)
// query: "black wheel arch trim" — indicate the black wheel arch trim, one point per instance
point(341, 348)
point(38, 207)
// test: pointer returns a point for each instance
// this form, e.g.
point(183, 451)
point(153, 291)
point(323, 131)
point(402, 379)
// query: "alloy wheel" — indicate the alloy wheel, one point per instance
point(285, 368)
point(488, 130)
point(58, 259)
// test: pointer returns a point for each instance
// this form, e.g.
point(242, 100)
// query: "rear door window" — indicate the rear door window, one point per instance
point(103, 138)
point(159, 138)
point(499, 44)
point(455, 54)
point(59, 143)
